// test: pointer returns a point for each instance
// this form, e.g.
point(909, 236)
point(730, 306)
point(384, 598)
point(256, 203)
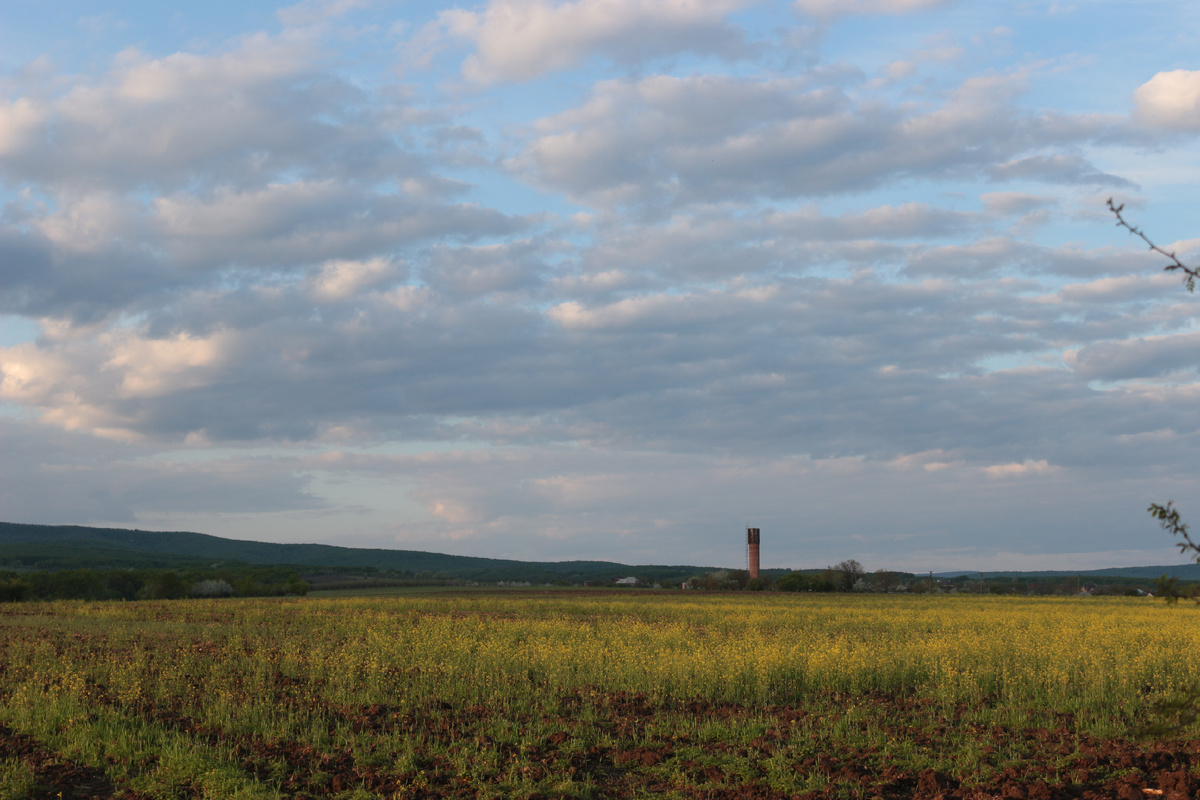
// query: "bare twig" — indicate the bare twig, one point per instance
point(1190, 273)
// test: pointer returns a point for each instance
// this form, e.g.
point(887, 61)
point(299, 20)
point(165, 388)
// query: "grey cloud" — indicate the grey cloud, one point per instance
point(1005, 253)
point(715, 244)
point(819, 366)
point(829, 9)
point(978, 258)
point(649, 143)
point(1008, 203)
point(289, 225)
point(479, 270)
point(628, 505)
point(1143, 357)
point(185, 173)
point(1061, 168)
point(40, 279)
point(55, 477)
point(247, 250)
point(211, 245)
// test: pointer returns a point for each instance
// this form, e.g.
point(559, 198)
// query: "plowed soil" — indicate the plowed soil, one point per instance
point(60, 778)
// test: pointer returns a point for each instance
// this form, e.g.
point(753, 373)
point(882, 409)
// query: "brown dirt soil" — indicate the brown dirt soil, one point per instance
point(1056, 762)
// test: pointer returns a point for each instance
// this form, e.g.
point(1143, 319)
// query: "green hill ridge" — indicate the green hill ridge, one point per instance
point(30, 546)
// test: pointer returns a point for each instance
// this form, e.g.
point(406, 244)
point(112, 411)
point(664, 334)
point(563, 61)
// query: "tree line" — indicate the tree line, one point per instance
point(149, 584)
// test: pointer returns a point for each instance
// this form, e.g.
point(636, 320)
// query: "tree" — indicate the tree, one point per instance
point(1172, 715)
point(212, 588)
point(737, 579)
point(885, 580)
point(1168, 517)
point(294, 585)
point(168, 585)
point(850, 571)
point(800, 582)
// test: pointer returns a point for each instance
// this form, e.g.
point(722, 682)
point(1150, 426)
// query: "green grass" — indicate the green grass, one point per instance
point(600, 693)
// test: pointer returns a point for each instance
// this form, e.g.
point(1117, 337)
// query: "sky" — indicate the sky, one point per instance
point(605, 279)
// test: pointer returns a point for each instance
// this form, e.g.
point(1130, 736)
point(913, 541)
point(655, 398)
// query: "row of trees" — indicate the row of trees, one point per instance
point(122, 584)
point(846, 576)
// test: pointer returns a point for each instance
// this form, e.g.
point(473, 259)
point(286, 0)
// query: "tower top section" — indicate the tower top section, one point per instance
point(751, 535)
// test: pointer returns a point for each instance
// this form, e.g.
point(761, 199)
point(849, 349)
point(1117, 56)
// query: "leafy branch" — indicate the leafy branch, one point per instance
point(1168, 517)
point(1190, 273)
point(1172, 715)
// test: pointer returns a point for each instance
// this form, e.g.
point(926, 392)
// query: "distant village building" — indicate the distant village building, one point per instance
point(626, 582)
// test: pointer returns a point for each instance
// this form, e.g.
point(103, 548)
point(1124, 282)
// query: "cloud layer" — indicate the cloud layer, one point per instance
point(605, 278)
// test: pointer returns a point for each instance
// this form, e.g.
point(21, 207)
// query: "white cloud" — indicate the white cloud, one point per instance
point(340, 279)
point(21, 121)
point(84, 383)
point(154, 367)
point(651, 311)
point(230, 118)
point(1026, 469)
point(518, 40)
point(1170, 100)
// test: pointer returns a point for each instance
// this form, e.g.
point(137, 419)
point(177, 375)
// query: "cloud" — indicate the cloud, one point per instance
point(703, 274)
point(297, 223)
point(791, 364)
point(341, 279)
point(519, 41)
point(1142, 357)
point(161, 176)
point(627, 505)
point(472, 271)
point(826, 9)
point(1170, 100)
point(1011, 203)
point(705, 138)
point(56, 478)
point(1027, 469)
point(1120, 289)
point(1061, 168)
point(311, 12)
point(168, 121)
point(647, 312)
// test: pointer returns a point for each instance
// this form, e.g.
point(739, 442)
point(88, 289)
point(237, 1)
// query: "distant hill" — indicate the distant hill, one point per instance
point(76, 546)
point(1187, 572)
point(24, 546)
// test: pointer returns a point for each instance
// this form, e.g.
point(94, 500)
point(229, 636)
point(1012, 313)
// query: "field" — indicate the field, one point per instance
point(594, 694)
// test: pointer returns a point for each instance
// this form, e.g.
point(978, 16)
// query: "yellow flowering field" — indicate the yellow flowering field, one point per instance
point(593, 694)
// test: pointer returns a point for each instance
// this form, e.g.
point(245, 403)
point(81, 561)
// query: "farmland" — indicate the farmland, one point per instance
point(593, 694)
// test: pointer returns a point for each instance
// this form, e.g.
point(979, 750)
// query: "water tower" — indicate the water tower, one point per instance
point(752, 551)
